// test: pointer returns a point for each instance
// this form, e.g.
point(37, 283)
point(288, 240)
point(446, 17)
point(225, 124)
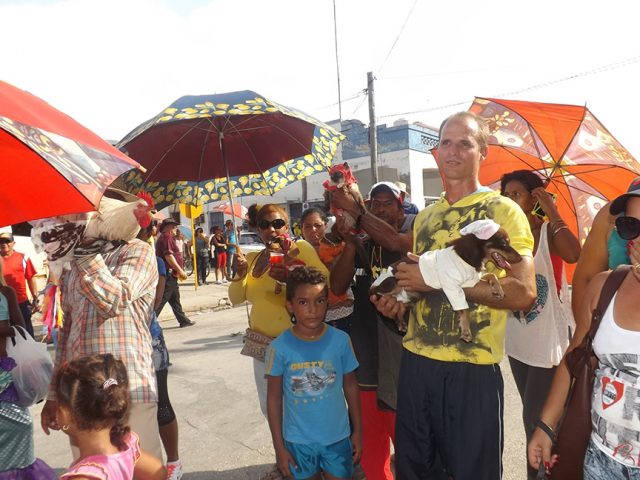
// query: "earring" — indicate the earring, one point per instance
point(65, 428)
point(293, 319)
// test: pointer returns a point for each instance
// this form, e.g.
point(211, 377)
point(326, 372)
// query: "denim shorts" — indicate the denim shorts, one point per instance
point(335, 459)
point(598, 466)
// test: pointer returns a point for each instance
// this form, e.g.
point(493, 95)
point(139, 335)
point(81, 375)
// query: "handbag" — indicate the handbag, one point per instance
point(34, 367)
point(255, 344)
point(575, 428)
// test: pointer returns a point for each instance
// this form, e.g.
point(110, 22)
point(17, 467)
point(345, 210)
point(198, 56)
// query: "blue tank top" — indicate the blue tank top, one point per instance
point(617, 247)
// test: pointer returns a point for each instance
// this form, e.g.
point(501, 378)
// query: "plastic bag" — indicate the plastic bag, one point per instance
point(34, 367)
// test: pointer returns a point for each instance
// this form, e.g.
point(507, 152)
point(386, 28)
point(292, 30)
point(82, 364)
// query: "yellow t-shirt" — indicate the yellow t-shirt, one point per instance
point(433, 329)
point(269, 314)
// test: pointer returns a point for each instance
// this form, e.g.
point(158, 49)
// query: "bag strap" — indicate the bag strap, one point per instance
point(610, 287)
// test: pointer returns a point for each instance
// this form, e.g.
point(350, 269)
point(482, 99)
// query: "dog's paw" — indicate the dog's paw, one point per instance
point(466, 336)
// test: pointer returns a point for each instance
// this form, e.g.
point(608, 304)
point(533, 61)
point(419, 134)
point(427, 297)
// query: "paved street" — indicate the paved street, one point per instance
point(222, 432)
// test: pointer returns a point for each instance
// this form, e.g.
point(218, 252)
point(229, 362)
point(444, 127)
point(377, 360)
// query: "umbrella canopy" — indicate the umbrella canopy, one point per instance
point(51, 165)
point(239, 211)
point(186, 231)
point(579, 160)
point(201, 146)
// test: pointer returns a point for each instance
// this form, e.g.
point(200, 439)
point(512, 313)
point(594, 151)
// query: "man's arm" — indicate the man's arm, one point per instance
point(519, 288)
point(385, 235)
point(173, 263)
point(382, 233)
point(352, 395)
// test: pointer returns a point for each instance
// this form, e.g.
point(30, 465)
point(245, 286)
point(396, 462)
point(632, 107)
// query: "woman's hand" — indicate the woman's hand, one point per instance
point(547, 203)
point(539, 450)
point(241, 265)
point(278, 271)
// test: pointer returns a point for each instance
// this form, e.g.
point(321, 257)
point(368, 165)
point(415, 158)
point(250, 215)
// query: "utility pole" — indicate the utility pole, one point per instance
point(373, 131)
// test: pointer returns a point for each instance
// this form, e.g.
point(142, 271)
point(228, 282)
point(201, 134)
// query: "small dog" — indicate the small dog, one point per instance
point(341, 177)
point(459, 266)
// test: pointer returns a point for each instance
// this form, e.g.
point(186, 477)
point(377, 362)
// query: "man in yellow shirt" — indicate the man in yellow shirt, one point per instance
point(450, 394)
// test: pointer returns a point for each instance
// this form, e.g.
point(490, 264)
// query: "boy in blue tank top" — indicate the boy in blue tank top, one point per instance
point(311, 366)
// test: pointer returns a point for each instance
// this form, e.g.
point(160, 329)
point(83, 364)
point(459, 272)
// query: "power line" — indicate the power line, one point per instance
point(364, 97)
point(398, 36)
point(586, 73)
point(344, 100)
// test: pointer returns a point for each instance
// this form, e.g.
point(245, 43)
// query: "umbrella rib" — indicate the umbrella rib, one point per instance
point(255, 160)
point(204, 147)
point(557, 165)
point(159, 162)
point(591, 171)
point(287, 133)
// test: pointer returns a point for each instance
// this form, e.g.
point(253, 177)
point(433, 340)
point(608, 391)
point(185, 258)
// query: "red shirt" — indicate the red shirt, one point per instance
point(166, 245)
point(17, 270)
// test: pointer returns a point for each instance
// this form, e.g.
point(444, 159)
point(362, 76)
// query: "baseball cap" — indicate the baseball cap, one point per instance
point(620, 203)
point(402, 186)
point(167, 221)
point(386, 187)
point(6, 237)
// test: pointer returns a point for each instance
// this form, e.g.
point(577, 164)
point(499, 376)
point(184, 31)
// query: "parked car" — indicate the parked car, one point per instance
point(250, 242)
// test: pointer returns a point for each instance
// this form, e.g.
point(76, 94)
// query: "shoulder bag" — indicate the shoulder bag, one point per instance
point(575, 429)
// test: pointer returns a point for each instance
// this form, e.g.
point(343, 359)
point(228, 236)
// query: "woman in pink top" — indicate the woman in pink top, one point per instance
point(93, 406)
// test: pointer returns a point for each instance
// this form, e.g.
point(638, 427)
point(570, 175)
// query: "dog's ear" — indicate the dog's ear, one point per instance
point(470, 248)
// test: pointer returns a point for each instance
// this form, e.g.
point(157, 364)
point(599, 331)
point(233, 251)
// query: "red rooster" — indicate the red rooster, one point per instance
point(118, 220)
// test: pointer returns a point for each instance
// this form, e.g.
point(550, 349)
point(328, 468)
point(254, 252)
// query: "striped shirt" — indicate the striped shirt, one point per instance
point(107, 301)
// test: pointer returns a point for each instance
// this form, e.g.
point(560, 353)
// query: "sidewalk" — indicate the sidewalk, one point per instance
point(206, 297)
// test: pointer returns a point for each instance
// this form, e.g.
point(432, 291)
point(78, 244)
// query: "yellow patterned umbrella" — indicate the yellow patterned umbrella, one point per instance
point(203, 148)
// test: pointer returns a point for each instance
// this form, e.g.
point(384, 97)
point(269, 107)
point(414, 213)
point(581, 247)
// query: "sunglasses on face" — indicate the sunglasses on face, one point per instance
point(277, 224)
point(628, 227)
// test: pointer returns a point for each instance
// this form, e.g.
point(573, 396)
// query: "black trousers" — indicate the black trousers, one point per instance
point(202, 268)
point(172, 295)
point(449, 420)
point(533, 385)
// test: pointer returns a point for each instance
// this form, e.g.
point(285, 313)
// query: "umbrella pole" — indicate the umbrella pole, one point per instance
point(195, 258)
point(226, 169)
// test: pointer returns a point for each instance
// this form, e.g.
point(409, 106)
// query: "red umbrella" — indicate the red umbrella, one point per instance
point(579, 160)
point(51, 165)
point(240, 211)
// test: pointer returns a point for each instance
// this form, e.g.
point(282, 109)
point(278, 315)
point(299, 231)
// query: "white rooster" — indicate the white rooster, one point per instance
point(118, 220)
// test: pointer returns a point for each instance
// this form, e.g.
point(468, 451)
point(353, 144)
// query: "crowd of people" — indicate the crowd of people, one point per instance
point(345, 378)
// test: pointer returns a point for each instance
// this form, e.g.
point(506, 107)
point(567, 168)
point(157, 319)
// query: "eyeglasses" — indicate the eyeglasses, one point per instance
point(628, 227)
point(277, 224)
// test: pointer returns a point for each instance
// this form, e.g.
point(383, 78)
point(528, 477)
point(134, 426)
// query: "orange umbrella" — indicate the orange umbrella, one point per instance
point(579, 159)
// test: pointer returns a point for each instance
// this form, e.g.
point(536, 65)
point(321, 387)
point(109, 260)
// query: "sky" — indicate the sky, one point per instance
point(113, 64)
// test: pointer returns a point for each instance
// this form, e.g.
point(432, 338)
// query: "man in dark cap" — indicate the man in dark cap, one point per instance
point(170, 252)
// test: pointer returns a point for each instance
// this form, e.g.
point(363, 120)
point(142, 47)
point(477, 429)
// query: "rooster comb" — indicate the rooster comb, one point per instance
point(147, 198)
